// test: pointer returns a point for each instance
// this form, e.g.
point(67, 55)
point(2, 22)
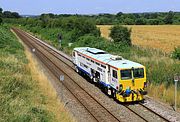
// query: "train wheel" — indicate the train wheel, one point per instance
point(94, 80)
point(113, 93)
point(109, 91)
point(76, 69)
point(91, 79)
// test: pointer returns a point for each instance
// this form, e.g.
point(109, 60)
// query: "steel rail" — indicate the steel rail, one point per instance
point(72, 79)
point(165, 119)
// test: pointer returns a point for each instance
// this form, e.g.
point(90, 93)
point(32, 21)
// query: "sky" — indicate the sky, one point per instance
point(37, 7)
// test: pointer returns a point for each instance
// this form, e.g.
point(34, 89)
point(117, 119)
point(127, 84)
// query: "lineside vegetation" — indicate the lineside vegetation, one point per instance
point(21, 97)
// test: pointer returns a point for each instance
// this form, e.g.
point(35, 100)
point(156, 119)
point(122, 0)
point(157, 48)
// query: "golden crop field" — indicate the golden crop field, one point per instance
point(162, 37)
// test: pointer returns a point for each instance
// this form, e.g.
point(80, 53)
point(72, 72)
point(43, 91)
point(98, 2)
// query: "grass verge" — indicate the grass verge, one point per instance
point(22, 91)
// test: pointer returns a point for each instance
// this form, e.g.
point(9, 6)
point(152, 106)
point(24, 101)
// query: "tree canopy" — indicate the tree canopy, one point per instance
point(121, 34)
point(169, 18)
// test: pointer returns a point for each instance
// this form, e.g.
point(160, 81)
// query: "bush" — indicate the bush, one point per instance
point(121, 34)
point(176, 53)
point(80, 26)
point(154, 21)
point(129, 21)
point(90, 41)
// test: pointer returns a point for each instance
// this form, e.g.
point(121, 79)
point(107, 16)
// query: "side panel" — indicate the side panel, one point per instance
point(92, 68)
point(83, 66)
point(114, 78)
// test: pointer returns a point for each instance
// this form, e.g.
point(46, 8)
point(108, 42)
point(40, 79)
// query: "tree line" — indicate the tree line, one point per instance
point(151, 18)
point(154, 18)
point(53, 20)
point(8, 14)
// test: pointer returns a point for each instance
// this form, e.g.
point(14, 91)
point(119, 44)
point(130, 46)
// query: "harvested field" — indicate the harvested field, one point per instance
point(160, 37)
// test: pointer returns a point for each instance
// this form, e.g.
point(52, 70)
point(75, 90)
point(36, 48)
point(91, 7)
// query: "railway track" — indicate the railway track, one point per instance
point(136, 110)
point(163, 118)
point(96, 110)
point(52, 58)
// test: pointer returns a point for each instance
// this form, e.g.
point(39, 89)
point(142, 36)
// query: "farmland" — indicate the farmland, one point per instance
point(159, 37)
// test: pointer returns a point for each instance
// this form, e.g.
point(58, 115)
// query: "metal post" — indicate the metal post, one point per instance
point(60, 43)
point(175, 91)
point(60, 40)
point(175, 94)
point(61, 78)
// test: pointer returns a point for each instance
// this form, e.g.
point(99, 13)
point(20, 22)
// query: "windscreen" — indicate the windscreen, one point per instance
point(138, 73)
point(126, 74)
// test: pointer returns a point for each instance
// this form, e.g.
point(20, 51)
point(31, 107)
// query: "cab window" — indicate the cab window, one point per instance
point(126, 74)
point(138, 73)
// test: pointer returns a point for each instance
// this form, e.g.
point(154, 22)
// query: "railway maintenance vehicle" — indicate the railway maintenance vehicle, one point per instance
point(120, 78)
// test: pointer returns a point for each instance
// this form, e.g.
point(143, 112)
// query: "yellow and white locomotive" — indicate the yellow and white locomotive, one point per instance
point(122, 79)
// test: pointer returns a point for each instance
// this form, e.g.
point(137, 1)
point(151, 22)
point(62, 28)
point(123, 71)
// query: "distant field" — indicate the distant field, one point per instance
point(163, 37)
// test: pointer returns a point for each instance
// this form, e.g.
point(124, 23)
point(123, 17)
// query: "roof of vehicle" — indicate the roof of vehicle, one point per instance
point(104, 57)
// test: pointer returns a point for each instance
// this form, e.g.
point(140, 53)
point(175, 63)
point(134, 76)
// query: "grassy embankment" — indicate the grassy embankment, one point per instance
point(25, 93)
point(160, 68)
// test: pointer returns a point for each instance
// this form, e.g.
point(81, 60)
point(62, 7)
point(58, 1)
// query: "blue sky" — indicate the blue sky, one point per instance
point(89, 6)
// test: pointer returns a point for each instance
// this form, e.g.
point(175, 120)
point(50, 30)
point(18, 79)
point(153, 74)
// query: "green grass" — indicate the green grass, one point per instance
point(20, 97)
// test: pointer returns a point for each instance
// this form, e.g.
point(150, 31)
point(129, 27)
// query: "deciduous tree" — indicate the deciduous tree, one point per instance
point(121, 34)
point(169, 18)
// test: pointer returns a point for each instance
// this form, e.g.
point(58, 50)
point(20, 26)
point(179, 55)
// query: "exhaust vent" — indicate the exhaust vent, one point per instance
point(116, 57)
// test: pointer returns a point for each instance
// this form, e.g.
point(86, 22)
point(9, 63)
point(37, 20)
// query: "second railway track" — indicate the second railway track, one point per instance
point(52, 58)
point(141, 111)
